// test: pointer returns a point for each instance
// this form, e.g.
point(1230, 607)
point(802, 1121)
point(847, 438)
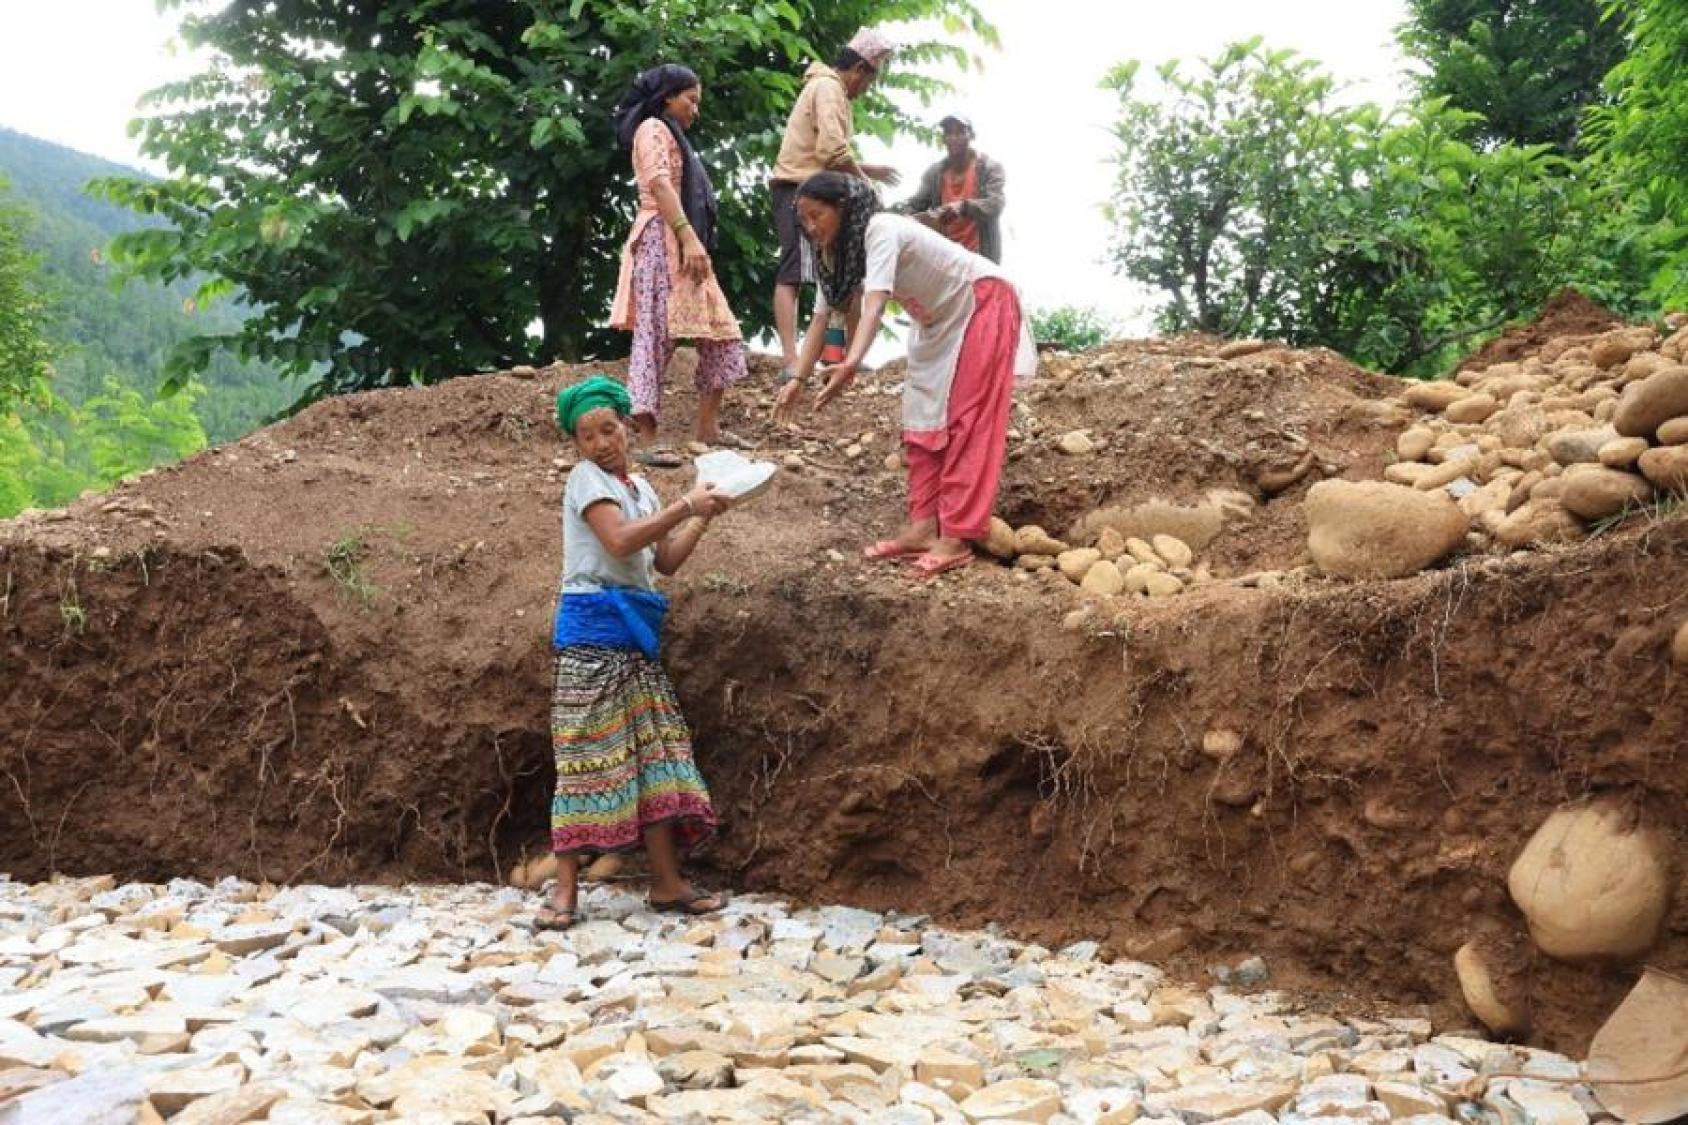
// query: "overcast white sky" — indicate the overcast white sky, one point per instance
point(72, 71)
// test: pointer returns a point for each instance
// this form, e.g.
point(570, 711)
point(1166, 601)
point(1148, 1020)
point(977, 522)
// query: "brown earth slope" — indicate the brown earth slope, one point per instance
point(321, 654)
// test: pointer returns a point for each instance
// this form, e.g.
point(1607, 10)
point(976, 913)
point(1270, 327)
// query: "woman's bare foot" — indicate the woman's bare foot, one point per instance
point(918, 535)
point(914, 539)
point(948, 547)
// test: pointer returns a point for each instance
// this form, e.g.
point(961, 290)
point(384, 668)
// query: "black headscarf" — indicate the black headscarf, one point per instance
point(643, 101)
point(842, 268)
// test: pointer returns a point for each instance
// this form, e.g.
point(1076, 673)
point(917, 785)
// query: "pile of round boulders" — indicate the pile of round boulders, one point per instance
point(1145, 551)
point(1518, 455)
point(1116, 565)
point(1593, 884)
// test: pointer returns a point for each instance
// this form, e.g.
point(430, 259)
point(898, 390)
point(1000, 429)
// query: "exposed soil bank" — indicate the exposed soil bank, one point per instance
point(320, 654)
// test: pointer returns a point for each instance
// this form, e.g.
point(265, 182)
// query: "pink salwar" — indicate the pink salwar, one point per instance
point(953, 473)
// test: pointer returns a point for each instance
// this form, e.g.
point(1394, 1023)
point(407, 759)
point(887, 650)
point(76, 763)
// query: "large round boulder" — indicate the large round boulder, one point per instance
point(1414, 443)
point(1616, 347)
point(1102, 579)
point(1652, 402)
point(1666, 467)
point(1538, 523)
point(1487, 992)
point(1137, 577)
point(1073, 564)
point(1520, 427)
point(1471, 408)
point(1172, 550)
point(1435, 396)
point(1621, 453)
point(1000, 542)
point(1593, 883)
point(1033, 540)
point(1373, 529)
point(1595, 492)
point(1579, 446)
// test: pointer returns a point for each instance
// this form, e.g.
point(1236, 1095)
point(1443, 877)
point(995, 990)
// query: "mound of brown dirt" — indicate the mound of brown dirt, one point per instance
point(321, 653)
point(1568, 314)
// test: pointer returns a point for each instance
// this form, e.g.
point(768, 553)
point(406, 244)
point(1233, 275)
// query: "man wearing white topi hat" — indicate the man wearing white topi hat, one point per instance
point(818, 138)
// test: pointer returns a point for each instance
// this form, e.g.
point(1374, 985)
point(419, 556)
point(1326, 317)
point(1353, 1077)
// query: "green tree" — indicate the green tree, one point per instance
point(421, 188)
point(1212, 179)
point(1259, 206)
point(1528, 68)
point(124, 432)
point(18, 456)
point(1643, 134)
point(24, 352)
point(53, 451)
point(1070, 327)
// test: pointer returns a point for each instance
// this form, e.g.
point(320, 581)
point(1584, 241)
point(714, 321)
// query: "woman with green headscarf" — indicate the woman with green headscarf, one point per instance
point(625, 774)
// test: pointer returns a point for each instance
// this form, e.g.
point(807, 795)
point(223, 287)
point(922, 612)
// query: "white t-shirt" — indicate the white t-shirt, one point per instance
point(932, 278)
point(587, 566)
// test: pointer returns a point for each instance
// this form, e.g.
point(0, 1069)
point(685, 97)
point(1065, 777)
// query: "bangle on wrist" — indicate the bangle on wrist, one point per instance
point(680, 224)
point(691, 509)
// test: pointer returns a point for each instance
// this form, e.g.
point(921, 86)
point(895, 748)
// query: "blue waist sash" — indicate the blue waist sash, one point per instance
point(613, 618)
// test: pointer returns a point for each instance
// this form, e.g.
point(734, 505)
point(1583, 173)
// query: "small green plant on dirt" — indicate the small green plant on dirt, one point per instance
point(344, 561)
point(1070, 328)
point(75, 618)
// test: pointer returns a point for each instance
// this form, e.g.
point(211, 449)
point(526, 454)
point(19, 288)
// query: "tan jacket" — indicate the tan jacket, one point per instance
point(818, 133)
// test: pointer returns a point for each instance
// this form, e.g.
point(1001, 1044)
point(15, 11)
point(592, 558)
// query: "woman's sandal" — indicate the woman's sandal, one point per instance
point(888, 549)
point(689, 904)
point(554, 917)
point(929, 565)
point(658, 457)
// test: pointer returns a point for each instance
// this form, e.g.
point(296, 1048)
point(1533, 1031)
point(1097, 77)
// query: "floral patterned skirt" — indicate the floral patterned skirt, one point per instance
point(720, 363)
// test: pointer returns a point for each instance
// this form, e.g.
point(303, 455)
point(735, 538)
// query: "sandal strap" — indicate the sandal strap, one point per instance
point(686, 901)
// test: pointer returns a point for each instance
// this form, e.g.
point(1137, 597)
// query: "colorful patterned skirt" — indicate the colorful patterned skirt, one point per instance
point(623, 754)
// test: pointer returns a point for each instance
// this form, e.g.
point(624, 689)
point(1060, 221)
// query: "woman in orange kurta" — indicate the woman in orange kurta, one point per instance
point(667, 290)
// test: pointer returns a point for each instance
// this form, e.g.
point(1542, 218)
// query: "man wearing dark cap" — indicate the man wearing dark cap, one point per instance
point(962, 195)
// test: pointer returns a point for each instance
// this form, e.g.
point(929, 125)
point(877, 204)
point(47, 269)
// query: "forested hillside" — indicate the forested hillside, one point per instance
point(104, 418)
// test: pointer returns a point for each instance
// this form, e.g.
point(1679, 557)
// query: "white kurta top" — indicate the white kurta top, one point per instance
point(932, 278)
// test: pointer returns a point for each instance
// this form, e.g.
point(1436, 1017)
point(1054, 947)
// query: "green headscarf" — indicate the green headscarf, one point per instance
point(591, 394)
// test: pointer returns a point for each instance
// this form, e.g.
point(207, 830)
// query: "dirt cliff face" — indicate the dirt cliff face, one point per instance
point(321, 654)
